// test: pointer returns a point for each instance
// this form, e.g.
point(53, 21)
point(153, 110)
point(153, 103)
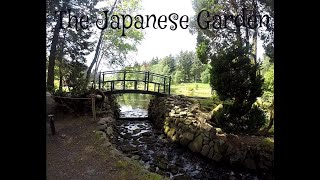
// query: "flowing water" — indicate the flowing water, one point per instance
point(141, 141)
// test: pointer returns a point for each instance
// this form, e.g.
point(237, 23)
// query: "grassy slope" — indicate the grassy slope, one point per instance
point(198, 91)
point(192, 89)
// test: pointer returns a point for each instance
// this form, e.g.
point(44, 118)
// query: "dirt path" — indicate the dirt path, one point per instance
point(76, 152)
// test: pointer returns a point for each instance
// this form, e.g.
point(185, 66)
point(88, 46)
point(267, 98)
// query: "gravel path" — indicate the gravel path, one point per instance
point(76, 152)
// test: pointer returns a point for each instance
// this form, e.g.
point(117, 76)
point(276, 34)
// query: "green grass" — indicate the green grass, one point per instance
point(208, 103)
point(122, 164)
point(268, 144)
point(198, 91)
point(191, 89)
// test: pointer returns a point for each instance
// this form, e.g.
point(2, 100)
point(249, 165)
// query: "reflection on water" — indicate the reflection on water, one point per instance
point(135, 100)
point(134, 105)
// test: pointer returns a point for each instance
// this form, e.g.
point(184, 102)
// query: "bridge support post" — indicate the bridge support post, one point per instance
point(112, 85)
point(124, 79)
point(145, 80)
point(99, 81)
point(148, 81)
point(102, 80)
point(164, 84)
point(169, 83)
point(135, 85)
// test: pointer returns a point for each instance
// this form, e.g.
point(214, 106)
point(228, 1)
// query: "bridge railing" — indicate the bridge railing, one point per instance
point(134, 80)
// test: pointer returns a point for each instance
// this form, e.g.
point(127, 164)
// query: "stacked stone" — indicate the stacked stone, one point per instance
point(107, 124)
point(183, 122)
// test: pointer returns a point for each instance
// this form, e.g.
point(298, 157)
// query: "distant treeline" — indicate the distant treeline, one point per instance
point(185, 67)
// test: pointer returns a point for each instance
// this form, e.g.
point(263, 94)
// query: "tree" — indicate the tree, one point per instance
point(97, 50)
point(55, 35)
point(171, 62)
point(112, 46)
point(75, 40)
point(213, 39)
point(196, 69)
point(232, 53)
point(205, 75)
point(235, 79)
point(154, 61)
point(178, 76)
point(75, 77)
point(267, 98)
point(268, 35)
point(185, 60)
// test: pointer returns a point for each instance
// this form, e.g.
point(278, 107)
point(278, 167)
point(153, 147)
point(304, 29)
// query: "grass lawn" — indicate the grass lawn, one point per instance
point(192, 89)
point(197, 91)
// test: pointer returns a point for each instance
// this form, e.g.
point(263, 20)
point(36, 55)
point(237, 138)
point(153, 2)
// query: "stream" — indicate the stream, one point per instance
point(148, 145)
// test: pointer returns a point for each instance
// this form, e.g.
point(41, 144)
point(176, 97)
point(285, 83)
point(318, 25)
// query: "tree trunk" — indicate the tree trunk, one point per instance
point(99, 45)
point(61, 76)
point(95, 57)
point(255, 34)
point(60, 61)
point(52, 57)
point(95, 71)
point(53, 50)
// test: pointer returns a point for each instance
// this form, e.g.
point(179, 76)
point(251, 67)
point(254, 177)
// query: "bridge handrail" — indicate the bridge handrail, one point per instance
point(133, 71)
point(131, 80)
point(166, 82)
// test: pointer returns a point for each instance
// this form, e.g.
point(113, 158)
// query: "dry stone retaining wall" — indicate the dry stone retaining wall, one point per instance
point(183, 122)
point(107, 122)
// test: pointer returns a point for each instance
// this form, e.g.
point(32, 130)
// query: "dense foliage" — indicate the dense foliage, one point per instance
point(232, 53)
point(235, 79)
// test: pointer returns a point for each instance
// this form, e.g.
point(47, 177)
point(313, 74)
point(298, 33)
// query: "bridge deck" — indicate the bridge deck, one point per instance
point(120, 83)
point(122, 91)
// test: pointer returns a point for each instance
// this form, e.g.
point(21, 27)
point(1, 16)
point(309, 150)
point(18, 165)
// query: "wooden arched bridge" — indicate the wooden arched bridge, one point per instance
point(129, 81)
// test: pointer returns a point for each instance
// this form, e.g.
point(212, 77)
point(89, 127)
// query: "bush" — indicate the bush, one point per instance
point(236, 81)
point(233, 76)
point(236, 119)
point(75, 78)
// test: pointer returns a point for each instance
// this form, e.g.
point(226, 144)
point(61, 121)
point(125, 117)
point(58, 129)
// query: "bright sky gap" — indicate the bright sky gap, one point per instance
point(162, 42)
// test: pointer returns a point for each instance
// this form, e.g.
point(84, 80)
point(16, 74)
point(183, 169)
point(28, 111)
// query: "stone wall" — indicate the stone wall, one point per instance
point(109, 110)
point(183, 122)
point(107, 106)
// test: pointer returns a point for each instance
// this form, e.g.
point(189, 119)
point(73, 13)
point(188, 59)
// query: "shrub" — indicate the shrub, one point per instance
point(235, 79)
point(236, 119)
